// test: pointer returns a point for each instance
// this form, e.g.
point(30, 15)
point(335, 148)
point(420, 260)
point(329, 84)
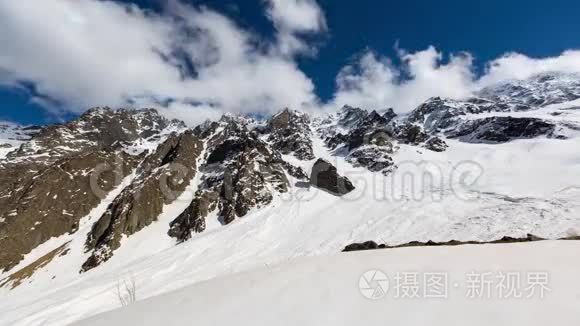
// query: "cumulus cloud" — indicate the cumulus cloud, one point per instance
point(519, 66)
point(373, 82)
point(195, 62)
point(293, 18)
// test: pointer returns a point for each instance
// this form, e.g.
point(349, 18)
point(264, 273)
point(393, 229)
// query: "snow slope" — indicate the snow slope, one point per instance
point(11, 136)
point(469, 192)
point(325, 291)
point(523, 187)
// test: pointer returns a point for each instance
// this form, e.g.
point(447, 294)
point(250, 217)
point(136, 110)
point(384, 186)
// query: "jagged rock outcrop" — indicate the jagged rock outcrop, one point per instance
point(325, 176)
point(51, 181)
point(438, 114)
point(366, 137)
point(460, 118)
point(52, 177)
point(40, 201)
point(374, 158)
point(350, 117)
point(408, 133)
point(289, 133)
point(96, 129)
point(436, 144)
point(370, 139)
point(537, 91)
point(501, 129)
point(161, 178)
point(295, 171)
point(389, 115)
point(241, 172)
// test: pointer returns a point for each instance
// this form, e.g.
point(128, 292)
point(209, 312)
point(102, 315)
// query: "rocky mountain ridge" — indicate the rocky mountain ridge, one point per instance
point(535, 92)
point(238, 165)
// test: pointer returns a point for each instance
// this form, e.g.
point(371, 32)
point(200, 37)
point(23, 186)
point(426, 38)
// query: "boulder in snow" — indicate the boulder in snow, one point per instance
point(436, 144)
point(325, 176)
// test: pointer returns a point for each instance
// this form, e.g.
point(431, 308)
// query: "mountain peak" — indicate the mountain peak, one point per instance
point(536, 91)
point(179, 182)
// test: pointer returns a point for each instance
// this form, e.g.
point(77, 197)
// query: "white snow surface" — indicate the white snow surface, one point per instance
point(326, 291)
point(10, 134)
point(469, 192)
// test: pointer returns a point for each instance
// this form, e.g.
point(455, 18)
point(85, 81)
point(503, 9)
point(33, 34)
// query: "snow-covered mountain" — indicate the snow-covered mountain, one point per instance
point(129, 194)
point(12, 135)
point(538, 91)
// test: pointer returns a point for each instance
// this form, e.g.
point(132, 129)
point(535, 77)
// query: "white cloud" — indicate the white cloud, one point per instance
point(297, 15)
point(519, 66)
point(105, 53)
point(373, 82)
point(196, 63)
point(293, 18)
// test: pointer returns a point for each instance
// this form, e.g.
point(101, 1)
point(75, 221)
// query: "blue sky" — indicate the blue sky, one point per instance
point(370, 37)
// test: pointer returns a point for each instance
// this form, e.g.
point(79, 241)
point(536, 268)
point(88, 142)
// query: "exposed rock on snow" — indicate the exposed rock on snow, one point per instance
point(389, 115)
point(243, 167)
point(538, 91)
point(35, 196)
point(325, 176)
point(366, 137)
point(12, 135)
point(436, 144)
point(11, 131)
point(256, 169)
point(63, 171)
point(516, 96)
point(438, 114)
point(409, 133)
point(241, 172)
point(161, 177)
point(17, 278)
point(374, 158)
point(98, 128)
point(289, 133)
point(501, 129)
point(369, 245)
